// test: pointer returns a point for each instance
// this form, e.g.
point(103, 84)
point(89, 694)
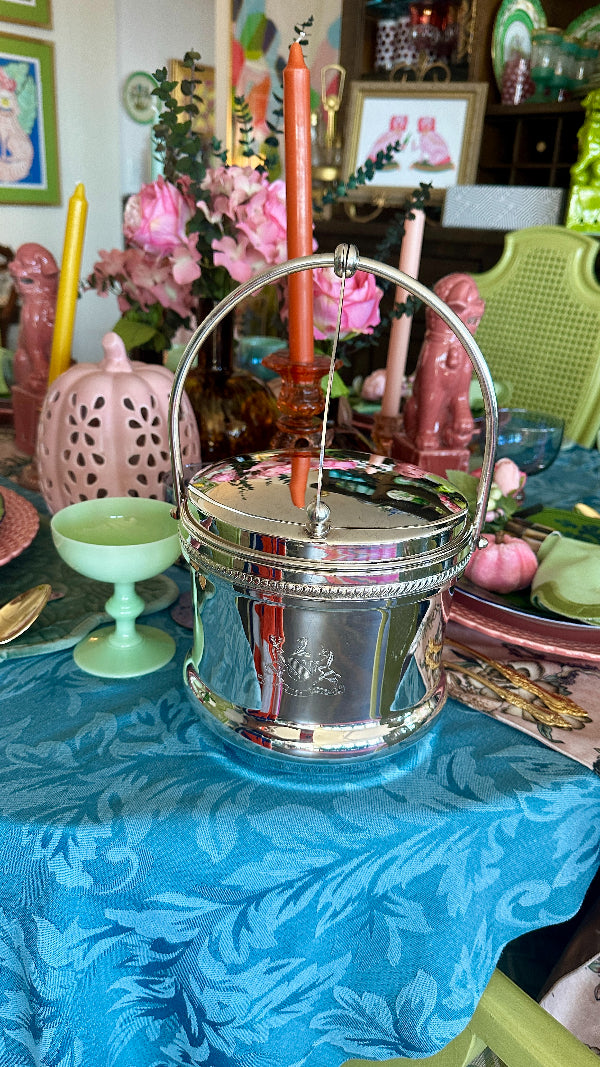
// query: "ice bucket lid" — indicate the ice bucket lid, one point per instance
point(387, 518)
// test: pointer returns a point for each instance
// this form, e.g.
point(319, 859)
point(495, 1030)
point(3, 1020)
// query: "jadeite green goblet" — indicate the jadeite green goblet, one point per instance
point(121, 540)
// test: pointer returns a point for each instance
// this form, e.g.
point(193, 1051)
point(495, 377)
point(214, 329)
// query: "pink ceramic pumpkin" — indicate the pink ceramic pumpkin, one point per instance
point(504, 565)
point(104, 430)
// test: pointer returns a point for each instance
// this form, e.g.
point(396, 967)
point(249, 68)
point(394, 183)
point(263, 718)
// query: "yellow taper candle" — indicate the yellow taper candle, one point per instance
point(68, 286)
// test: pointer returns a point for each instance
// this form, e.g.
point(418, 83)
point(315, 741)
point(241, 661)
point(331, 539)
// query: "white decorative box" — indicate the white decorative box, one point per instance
point(502, 207)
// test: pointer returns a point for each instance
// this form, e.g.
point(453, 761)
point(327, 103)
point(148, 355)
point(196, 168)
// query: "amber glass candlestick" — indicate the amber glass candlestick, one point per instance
point(301, 400)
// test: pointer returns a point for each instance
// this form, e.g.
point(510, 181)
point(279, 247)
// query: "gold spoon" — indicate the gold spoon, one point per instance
point(555, 702)
point(547, 717)
point(17, 615)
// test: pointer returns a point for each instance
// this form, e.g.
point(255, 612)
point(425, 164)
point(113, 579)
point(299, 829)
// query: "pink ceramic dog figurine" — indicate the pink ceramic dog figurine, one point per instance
point(36, 277)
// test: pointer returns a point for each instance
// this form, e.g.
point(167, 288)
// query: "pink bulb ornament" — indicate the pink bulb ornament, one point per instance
point(104, 430)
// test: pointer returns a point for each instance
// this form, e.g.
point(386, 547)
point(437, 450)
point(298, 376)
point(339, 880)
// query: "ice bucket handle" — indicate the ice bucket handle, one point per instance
point(381, 270)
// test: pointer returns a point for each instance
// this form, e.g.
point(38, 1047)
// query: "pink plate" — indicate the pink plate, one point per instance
point(18, 527)
point(553, 637)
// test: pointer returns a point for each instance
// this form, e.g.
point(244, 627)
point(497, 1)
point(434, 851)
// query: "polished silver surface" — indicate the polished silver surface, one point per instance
point(388, 525)
point(380, 270)
point(329, 647)
point(318, 631)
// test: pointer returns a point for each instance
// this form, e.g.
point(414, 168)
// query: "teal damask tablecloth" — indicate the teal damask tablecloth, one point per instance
point(166, 899)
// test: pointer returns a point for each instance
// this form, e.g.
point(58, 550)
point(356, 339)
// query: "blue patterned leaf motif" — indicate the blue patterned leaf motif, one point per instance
point(464, 984)
point(182, 1051)
point(176, 983)
point(32, 1010)
point(226, 803)
point(362, 1025)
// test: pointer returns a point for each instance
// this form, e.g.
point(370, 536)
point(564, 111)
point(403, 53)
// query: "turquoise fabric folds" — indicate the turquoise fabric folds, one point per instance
point(166, 899)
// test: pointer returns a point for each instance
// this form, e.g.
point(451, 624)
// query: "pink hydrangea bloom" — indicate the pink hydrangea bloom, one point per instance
point(230, 189)
point(239, 258)
point(140, 278)
point(257, 209)
point(264, 223)
point(360, 313)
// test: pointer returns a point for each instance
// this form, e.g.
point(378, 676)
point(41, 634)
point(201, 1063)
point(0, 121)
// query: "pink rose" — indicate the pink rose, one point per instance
point(373, 386)
point(360, 312)
point(508, 477)
point(163, 214)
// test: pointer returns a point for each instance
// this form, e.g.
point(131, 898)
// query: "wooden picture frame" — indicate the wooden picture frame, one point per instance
point(439, 124)
point(204, 123)
point(28, 12)
point(29, 153)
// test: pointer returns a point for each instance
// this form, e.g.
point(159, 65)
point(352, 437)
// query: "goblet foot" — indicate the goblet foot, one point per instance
point(99, 653)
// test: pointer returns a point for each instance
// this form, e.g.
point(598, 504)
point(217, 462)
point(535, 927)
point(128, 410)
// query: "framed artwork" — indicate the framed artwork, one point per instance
point(30, 12)
point(204, 124)
point(263, 31)
point(28, 142)
point(438, 125)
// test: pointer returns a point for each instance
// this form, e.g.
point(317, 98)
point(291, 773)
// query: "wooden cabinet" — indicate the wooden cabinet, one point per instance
point(531, 144)
point(528, 144)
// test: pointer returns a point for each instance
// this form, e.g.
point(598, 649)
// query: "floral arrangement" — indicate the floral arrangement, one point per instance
point(506, 563)
point(203, 226)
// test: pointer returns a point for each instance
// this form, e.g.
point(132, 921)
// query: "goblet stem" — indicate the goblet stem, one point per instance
point(124, 606)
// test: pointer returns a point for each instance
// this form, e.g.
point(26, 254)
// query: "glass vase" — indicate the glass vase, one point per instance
point(236, 413)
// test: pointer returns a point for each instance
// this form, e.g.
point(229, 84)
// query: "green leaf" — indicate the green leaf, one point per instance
point(466, 484)
point(338, 385)
point(134, 334)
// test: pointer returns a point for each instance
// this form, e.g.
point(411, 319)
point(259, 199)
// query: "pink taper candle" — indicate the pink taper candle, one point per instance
point(298, 183)
point(410, 258)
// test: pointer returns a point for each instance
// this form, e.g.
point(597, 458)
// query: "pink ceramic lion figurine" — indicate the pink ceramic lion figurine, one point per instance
point(438, 414)
point(36, 277)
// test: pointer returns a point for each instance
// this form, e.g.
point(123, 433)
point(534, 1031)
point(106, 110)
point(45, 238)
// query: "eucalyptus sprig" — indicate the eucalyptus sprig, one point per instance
point(179, 147)
point(268, 153)
point(300, 30)
point(338, 190)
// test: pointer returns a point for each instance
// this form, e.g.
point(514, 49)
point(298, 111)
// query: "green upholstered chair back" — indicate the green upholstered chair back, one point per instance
point(540, 332)
point(511, 1024)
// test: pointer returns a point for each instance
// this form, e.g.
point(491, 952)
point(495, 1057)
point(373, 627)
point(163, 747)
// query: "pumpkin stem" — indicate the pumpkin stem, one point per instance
point(115, 354)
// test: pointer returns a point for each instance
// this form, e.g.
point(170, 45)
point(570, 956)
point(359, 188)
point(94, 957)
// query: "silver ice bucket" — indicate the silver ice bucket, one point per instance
point(323, 641)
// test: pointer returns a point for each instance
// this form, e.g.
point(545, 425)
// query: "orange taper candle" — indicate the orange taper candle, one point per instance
point(298, 183)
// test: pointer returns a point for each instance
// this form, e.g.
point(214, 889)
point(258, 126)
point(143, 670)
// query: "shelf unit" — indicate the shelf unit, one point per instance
point(526, 144)
point(529, 144)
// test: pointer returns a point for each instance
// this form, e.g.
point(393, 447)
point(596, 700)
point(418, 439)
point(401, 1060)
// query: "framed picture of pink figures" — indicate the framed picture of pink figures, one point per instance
point(30, 12)
point(28, 138)
point(437, 125)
